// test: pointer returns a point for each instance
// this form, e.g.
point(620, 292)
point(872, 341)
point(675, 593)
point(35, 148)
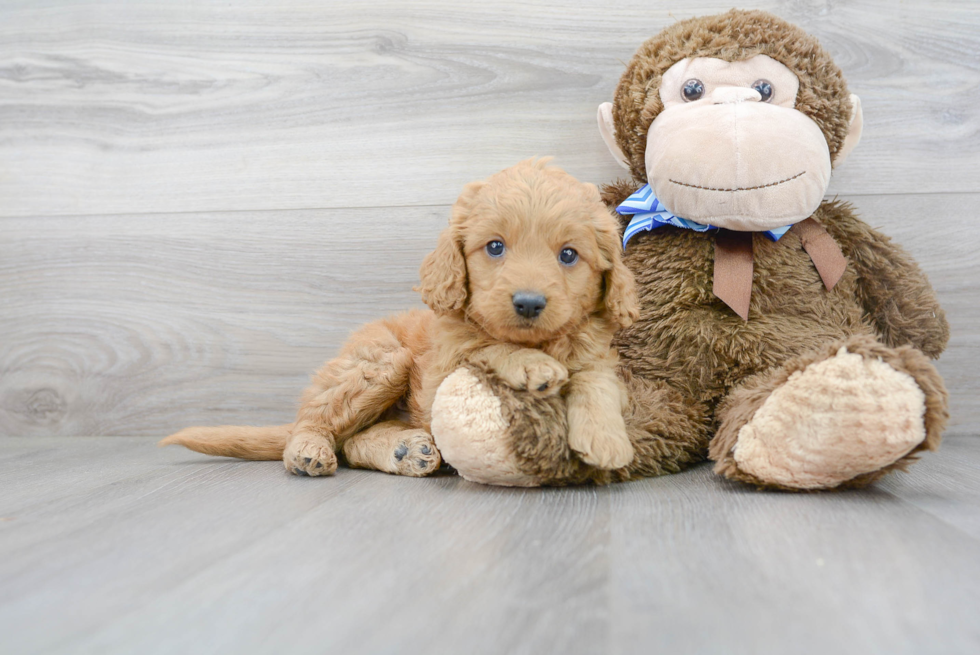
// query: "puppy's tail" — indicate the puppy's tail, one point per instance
point(239, 441)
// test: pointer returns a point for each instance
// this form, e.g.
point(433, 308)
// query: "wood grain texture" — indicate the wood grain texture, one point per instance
point(135, 549)
point(143, 324)
point(122, 107)
point(938, 480)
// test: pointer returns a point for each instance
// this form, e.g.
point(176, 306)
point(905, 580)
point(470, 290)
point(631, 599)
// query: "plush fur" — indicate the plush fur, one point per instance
point(468, 421)
point(395, 365)
point(695, 371)
point(741, 406)
point(688, 353)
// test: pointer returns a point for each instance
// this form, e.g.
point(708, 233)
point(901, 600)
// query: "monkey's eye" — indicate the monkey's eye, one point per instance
point(568, 256)
point(693, 90)
point(764, 87)
point(495, 248)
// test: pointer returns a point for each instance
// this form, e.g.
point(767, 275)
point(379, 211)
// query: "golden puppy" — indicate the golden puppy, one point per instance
point(526, 281)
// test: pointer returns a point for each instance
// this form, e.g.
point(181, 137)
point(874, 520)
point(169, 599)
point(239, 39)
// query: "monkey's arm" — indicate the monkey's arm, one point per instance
point(893, 290)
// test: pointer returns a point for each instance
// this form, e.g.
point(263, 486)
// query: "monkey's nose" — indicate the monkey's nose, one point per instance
point(528, 303)
point(730, 94)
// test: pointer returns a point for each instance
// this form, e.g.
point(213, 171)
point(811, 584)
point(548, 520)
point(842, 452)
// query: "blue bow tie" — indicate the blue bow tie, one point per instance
point(649, 214)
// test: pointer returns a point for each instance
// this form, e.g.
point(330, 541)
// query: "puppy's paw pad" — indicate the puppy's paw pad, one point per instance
point(545, 377)
point(416, 455)
point(310, 457)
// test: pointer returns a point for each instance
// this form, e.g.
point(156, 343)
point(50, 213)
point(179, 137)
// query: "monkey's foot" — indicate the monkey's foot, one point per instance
point(844, 419)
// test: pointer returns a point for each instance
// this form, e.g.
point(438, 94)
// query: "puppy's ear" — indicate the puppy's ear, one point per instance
point(620, 298)
point(443, 271)
point(443, 275)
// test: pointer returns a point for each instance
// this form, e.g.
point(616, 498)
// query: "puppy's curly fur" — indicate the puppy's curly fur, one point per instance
point(553, 240)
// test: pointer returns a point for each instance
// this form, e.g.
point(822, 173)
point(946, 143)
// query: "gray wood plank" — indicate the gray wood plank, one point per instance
point(25, 487)
point(144, 324)
point(716, 567)
point(122, 107)
point(205, 555)
point(120, 325)
point(947, 487)
point(148, 539)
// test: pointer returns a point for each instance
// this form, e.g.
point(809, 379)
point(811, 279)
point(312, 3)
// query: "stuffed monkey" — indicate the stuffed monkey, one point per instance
point(779, 335)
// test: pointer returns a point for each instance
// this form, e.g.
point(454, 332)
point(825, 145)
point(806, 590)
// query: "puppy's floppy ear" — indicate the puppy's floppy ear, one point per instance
point(620, 298)
point(443, 275)
point(443, 271)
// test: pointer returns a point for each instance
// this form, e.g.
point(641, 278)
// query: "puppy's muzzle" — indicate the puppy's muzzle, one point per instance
point(528, 304)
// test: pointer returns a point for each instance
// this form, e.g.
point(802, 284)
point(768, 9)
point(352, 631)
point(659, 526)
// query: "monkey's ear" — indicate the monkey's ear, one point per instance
point(853, 131)
point(443, 275)
point(608, 131)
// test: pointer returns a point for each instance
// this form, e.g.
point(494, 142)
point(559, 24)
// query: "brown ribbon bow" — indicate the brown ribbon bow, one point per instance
point(733, 262)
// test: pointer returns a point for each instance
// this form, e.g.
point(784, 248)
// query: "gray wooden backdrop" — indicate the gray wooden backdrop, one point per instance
point(198, 201)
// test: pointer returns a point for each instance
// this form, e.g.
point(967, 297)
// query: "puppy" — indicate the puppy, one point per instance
point(527, 281)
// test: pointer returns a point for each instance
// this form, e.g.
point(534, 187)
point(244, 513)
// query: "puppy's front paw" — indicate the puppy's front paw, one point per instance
point(310, 456)
point(536, 372)
point(546, 376)
point(602, 445)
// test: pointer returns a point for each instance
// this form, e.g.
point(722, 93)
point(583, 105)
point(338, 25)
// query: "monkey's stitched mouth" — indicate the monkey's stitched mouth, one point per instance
point(748, 188)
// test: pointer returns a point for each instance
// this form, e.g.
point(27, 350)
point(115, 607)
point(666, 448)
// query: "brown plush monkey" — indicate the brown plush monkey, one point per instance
point(779, 335)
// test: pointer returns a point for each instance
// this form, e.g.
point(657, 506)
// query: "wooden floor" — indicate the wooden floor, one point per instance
point(109, 545)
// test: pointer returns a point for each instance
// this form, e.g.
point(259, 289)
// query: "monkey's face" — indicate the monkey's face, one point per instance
point(729, 149)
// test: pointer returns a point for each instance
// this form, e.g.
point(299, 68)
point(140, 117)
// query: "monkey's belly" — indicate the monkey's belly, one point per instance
point(690, 338)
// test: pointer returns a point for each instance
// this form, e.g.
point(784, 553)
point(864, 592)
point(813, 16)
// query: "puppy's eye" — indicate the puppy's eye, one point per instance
point(693, 90)
point(568, 256)
point(495, 248)
point(764, 87)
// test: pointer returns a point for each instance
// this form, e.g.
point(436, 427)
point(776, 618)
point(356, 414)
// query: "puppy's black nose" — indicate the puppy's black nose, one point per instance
point(528, 303)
